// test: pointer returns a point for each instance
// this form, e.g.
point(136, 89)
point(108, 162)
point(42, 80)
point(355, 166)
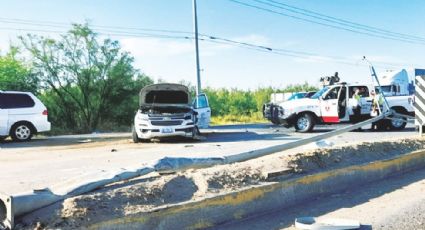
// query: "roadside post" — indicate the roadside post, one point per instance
point(195, 31)
point(419, 102)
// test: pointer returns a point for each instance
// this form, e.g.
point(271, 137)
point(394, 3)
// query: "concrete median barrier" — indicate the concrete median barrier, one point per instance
point(13, 206)
point(262, 199)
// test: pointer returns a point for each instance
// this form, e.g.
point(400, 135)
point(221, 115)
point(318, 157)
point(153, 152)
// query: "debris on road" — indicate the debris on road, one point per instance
point(307, 223)
point(85, 141)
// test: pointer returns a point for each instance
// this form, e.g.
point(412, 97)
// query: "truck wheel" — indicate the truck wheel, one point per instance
point(136, 138)
point(304, 123)
point(275, 116)
point(399, 124)
point(195, 132)
point(22, 132)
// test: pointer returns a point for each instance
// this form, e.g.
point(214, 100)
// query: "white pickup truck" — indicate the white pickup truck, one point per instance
point(333, 104)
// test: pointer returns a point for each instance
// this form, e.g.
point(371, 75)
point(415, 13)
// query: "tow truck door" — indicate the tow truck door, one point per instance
point(329, 105)
point(203, 109)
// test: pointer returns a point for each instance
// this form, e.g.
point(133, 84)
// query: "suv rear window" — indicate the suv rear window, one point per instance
point(15, 101)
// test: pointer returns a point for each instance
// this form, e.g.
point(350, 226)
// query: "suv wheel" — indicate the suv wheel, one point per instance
point(304, 123)
point(136, 138)
point(21, 132)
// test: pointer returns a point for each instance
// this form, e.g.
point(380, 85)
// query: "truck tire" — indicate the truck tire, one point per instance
point(275, 116)
point(22, 131)
point(304, 123)
point(398, 124)
point(136, 138)
point(195, 133)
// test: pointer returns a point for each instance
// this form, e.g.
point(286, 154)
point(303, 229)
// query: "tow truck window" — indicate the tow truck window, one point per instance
point(364, 91)
point(333, 93)
point(320, 93)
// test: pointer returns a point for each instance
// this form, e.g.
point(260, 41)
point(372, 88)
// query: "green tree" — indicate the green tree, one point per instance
point(15, 74)
point(86, 79)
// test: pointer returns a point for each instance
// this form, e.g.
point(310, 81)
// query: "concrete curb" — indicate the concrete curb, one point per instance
point(213, 211)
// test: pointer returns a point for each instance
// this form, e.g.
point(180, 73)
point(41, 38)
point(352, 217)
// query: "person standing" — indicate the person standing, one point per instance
point(376, 108)
point(357, 107)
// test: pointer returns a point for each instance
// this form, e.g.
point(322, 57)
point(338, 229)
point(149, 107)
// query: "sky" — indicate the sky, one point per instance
point(173, 60)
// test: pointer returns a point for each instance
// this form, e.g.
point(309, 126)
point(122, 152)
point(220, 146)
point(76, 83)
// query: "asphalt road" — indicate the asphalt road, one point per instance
point(55, 162)
point(396, 203)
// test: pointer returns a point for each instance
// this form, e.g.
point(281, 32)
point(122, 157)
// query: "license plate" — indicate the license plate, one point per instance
point(167, 130)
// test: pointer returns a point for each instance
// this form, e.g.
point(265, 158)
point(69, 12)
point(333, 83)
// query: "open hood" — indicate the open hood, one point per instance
point(165, 95)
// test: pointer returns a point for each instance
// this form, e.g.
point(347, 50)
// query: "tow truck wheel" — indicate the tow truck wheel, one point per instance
point(398, 124)
point(275, 116)
point(304, 123)
point(134, 135)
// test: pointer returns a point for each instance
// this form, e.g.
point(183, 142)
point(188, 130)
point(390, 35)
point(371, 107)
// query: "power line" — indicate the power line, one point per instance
point(211, 39)
point(375, 29)
point(120, 33)
point(323, 24)
point(64, 24)
point(106, 32)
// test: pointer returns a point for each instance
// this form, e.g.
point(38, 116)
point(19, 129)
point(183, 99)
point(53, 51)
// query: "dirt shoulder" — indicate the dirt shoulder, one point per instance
point(154, 191)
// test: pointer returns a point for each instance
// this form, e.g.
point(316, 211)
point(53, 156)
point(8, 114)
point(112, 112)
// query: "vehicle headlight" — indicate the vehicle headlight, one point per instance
point(188, 117)
point(281, 111)
point(143, 117)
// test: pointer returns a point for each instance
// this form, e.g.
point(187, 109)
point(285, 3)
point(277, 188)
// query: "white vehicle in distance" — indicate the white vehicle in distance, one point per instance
point(166, 110)
point(22, 115)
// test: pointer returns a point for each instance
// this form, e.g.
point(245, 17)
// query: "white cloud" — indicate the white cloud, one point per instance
point(173, 60)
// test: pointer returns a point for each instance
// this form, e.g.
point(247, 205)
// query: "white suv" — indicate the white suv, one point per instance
point(166, 110)
point(21, 116)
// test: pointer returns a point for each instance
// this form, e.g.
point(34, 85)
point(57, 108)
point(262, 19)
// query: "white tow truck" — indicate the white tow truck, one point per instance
point(333, 105)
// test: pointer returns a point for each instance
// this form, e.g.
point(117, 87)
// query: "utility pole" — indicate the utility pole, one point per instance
point(195, 30)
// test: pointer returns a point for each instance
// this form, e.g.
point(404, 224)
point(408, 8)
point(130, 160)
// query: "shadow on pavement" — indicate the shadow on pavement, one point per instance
point(284, 218)
point(56, 141)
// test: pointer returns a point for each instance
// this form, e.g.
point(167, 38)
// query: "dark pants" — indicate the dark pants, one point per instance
point(375, 125)
point(357, 112)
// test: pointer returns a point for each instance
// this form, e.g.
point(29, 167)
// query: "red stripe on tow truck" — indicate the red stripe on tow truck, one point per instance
point(330, 119)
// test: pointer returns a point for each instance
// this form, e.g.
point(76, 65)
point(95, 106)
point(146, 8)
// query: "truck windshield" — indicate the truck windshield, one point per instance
point(296, 96)
point(320, 93)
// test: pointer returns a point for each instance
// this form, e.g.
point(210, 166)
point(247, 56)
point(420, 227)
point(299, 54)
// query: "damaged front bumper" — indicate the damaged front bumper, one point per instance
point(149, 132)
point(288, 120)
point(148, 127)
